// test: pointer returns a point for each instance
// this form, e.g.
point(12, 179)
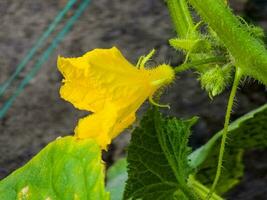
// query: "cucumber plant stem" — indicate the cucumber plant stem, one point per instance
point(196, 63)
point(238, 75)
point(180, 16)
point(247, 52)
point(201, 190)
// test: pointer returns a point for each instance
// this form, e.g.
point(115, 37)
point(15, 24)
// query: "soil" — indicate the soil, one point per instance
point(38, 115)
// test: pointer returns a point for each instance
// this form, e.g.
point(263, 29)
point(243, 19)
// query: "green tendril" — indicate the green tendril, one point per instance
point(151, 100)
point(238, 75)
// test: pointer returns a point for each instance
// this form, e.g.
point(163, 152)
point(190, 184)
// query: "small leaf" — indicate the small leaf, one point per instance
point(65, 169)
point(190, 45)
point(157, 158)
point(116, 179)
point(247, 133)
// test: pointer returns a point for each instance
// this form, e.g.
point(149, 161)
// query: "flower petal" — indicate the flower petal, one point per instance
point(97, 126)
point(104, 82)
point(100, 76)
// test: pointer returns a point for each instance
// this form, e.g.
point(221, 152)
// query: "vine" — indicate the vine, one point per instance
point(218, 52)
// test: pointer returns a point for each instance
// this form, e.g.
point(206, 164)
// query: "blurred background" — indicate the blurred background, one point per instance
point(38, 115)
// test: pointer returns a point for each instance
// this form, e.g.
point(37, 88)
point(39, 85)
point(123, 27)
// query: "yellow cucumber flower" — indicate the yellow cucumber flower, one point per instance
point(104, 82)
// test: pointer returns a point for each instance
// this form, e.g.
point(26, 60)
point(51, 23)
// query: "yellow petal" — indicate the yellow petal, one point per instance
point(121, 124)
point(104, 82)
point(103, 126)
point(100, 76)
point(98, 126)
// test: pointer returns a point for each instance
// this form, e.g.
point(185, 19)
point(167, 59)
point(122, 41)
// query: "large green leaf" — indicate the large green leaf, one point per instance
point(157, 157)
point(116, 179)
point(66, 169)
point(247, 133)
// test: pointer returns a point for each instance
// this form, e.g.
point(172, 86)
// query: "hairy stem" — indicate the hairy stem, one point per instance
point(247, 52)
point(238, 75)
point(201, 190)
point(180, 16)
point(196, 63)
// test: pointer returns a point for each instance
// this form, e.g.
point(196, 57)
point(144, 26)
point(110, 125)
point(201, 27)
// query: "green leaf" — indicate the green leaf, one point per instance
point(157, 158)
point(67, 168)
point(190, 45)
point(246, 133)
point(116, 179)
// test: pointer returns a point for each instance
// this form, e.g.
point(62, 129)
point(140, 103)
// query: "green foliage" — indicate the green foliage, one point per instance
point(247, 52)
point(246, 133)
point(116, 179)
point(190, 45)
point(67, 168)
point(157, 156)
point(232, 170)
point(181, 17)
